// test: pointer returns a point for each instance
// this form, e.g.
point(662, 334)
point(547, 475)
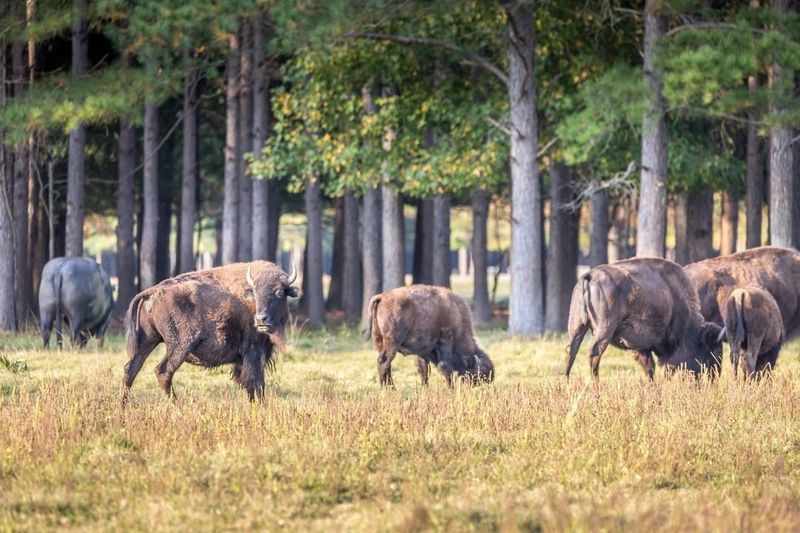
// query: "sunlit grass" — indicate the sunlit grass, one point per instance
point(329, 450)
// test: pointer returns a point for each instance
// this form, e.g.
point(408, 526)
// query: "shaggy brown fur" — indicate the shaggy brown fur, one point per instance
point(210, 318)
point(642, 304)
point(753, 324)
point(432, 323)
point(776, 270)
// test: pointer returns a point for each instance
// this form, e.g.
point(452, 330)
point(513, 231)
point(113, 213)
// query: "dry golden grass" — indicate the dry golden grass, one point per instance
point(329, 450)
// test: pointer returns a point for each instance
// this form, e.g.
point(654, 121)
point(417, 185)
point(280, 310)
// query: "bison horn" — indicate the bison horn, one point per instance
point(722, 334)
point(250, 277)
point(293, 275)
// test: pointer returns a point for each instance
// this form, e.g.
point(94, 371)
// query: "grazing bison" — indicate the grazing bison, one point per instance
point(776, 270)
point(753, 324)
point(76, 288)
point(647, 305)
point(432, 323)
point(206, 318)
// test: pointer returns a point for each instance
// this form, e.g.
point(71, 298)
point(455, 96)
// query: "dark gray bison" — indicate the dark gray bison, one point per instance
point(776, 270)
point(753, 324)
point(647, 305)
point(208, 318)
point(432, 323)
point(78, 289)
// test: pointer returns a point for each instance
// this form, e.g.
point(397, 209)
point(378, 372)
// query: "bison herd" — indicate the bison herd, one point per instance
point(236, 315)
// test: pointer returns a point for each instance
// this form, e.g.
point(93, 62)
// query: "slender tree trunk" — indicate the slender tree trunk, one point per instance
point(351, 283)
point(245, 251)
point(423, 243)
point(261, 219)
point(482, 310)
point(651, 227)
point(526, 303)
point(19, 199)
point(700, 210)
point(598, 242)
point(35, 258)
point(393, 247)
point(729, 224)
point(126, 194)
point(148, 251)
point(562, 257)
point(681, 228)
point(313, 264)
point(7, 297)
point(372, 255)
point(230, 210)
point(77, 141)
point(755, 174)
point(273, 221)
point(335, 300)
point(188, 216)
point(441, 240)
point(781, 188)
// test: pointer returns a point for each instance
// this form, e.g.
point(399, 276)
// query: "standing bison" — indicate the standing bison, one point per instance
point(206, 318)
point(753, 325)
point(79, 289)
point(647, 305)
point(432, 323)
point(776, 270)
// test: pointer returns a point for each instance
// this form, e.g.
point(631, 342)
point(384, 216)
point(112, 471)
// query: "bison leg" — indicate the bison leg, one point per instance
point(423, 367)
point(599, 346)
point(140, 353)
point(385, 359)
point(250, 375)
point(766, 363)
point(751, 355)
point(59, 341)
point(574, 344)
point(168, 366)
point(446, 366)
point(645, 358)
point(47, 327)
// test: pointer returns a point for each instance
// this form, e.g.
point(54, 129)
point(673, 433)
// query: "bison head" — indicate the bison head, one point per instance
point(271, 289)
point(701, 351)
point(478, 367)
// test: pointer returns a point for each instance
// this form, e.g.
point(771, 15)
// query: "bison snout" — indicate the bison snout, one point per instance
point(263, 324)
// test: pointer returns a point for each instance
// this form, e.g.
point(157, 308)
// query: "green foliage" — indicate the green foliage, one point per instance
point(16, 366)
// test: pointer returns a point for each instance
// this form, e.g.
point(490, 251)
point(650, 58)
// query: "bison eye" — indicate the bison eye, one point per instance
point(279, 293)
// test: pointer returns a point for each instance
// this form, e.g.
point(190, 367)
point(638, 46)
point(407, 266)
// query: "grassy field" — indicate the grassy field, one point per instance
point(328, 450)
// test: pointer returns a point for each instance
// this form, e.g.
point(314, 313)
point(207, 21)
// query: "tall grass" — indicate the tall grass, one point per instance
point(329, 449)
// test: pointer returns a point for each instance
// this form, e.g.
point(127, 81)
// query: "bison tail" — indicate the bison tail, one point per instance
point(586, 307)
point(738, 301)
point(132, 323)
point(373, 309)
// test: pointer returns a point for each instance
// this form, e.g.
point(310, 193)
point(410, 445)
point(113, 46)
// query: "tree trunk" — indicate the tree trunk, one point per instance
point(351, 282)
point(393, 246)
point(7, 304)
point(681, 229)
point(755, 175)
point(335, 300)
point(245, 251)
point(76, 177)
point(19, 200)
point(598, 241)
point(186, 262)
point(441, 240)
point(481, 309)
point(35, 259)
point(261, 218)
point(312, 268)
point(652, 222)
point(562, 257)
point(148, 252)
point(781, 186)
point(230, 209)
point(729, 224)
point(700, 210)
point(372, 255)
point(126, 194)
point(526, 303)
point(423, 243)
point(273, 221)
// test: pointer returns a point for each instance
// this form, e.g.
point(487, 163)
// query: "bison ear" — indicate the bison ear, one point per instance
point(710, 334)
point(293, 292)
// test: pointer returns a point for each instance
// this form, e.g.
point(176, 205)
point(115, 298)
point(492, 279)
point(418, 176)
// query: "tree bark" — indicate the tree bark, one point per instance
point(372, 255)
point(729, 224)
point(441, 240)
point(526, 303)
point(313, 264)
point(652, 221)
point(273, 221)
point(755, 175)
point(481, 308)
point(19, 199)
point(700, 210)
point(423, 243)
point(230, 209)
point(598, 240)
point(681, 229)
point(245, 251)
point(562, 257)
point(7, 297)
point(351, 282)
point(261, 188)
point(148, 252)
point(126, 194)
point(334, 300)
point(186, 261)
point(392, 241)
point(76, 175)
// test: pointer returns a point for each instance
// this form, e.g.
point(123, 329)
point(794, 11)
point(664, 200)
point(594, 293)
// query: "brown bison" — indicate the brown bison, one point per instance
point(432, 323)
point(207, 318)
point(647, 305)
point(753, 324)
point(776, 270)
